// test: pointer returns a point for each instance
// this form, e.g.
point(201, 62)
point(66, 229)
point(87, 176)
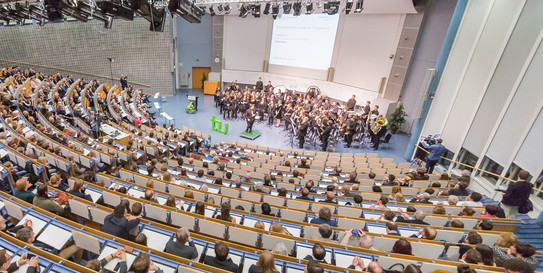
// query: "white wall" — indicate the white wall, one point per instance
point(246, 42)
point(365, 47)
point(364, 43)
point(490, 100)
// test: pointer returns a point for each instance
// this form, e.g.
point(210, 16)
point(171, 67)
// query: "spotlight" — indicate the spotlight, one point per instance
point(286, 7)
point(309, 8)
point(348, 6)
point(267, 8)
point(211, 11)
point(243, 11)
point(297, 8)
point(256, 10)
point(359, 6)
point(319, 5)
point(275, 10)
point(227, 9)
point(326, 7)
point(220, 8)
point(333, 7)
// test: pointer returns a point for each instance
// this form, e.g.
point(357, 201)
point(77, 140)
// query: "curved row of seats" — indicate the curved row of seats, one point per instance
point(145, 151)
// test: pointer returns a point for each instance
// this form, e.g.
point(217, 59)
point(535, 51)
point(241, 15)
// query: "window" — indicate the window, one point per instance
point(512, 173)
point(446, 163)
point(467, 158)
point(538, 184)
point(490, 165)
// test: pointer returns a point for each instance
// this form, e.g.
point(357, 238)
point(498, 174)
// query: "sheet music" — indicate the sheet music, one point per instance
point(158, 241)
point(408, 233)
point(55, 236)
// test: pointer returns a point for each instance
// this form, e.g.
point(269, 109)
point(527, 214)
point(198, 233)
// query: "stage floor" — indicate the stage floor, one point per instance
point(270, 135)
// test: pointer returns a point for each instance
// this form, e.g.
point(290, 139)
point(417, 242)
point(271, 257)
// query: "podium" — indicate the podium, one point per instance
point(194, 100)
point(210, 87)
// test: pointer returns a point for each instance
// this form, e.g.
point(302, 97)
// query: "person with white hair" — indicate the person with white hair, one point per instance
point(421, 198)
point(365, 241)
point(418, 218)
point(453, 200)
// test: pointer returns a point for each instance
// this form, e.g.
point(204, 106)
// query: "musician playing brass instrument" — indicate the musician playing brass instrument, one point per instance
point(378, 130)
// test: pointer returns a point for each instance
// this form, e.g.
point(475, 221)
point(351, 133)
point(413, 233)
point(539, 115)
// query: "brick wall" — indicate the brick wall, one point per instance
point(142, 55)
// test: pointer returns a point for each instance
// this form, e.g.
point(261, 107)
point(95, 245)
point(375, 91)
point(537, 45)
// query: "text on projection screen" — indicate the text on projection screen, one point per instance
point(304, 41)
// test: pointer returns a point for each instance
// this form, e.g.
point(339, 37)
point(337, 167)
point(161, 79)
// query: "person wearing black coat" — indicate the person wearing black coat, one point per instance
point(221, 259)
point(303, 132)
point(117, 225)
point(516, 195)
point(180, 247)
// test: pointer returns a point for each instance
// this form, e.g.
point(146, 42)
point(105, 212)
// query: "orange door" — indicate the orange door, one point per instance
point(198, 74)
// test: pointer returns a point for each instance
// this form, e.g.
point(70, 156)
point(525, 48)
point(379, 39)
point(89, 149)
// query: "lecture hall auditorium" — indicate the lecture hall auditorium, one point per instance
point(397, 136)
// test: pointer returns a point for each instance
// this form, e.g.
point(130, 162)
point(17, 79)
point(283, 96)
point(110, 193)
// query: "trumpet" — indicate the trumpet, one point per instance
point(381, 122)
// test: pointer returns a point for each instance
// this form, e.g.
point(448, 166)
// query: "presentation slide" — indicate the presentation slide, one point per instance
point(304, 41)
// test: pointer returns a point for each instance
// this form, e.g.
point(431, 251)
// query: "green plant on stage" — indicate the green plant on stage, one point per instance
point(397, 119)
point(204, 78)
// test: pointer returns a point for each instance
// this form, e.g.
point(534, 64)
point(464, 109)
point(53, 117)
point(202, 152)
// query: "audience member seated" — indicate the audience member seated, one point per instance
point(346, 191)
point(305, 195)
point(118, 225)
point(42, 200)
point(519, 251)
point(389, 180)
point(221, 260)
point(472, 238)
point(517, 266)
point(382, 202)
point(318, 254)
point(428, 233)
point(266, 209)
point(418, 218)
point(461, 189)
point(78, 190)
point(365, 241)
point(456, 224)
point(329, 198)
point(439, 209)
point(265, 263)
point(421, 198)
point(324, 216)
point(225, 213)
point(27, 235)
point(21, 190)
point(402, 246)
point(471, 256)
point(313, 267)
point(484, 225)
point(472, 200)
point(143, 264)
point(6, 266)
point(392, 229)
point(467, 211)
point(419, 174)
point(491, 211)
point(487, 254)
point(388, 216)
point(276, 227)
point(179, 247)
point(325, 232)
point(98, 265)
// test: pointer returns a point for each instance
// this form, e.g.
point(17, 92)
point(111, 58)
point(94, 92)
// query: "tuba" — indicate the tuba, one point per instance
point(381, 122)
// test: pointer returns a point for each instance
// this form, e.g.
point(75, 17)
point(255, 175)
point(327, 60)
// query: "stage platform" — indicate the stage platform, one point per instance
point(252, 136)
